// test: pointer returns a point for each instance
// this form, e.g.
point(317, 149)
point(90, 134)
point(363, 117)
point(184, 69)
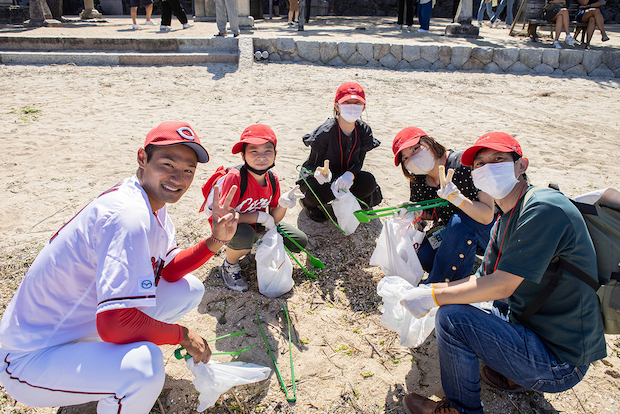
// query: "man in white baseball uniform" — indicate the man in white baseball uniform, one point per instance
point(87, 320)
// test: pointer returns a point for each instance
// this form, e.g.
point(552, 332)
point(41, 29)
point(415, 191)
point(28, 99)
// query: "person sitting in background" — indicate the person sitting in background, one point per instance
point(556, 11)
point(590, 12)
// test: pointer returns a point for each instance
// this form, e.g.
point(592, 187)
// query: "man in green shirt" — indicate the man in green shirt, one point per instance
point(550, 351)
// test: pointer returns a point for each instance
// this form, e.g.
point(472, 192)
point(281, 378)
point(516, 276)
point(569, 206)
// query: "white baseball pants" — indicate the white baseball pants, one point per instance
point(125, 379)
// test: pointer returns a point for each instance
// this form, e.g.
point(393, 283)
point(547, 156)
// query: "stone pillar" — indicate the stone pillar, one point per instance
point(205, 12)
point(464, 16)
point(40, 15)
point(89, 11)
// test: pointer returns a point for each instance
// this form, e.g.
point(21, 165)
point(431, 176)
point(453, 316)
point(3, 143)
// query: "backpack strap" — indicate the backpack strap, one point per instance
point(557, 268)
point(543, 295)
point(244, 180)
point(272, 180)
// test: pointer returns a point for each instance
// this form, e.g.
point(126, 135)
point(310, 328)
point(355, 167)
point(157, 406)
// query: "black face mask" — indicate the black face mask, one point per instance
point(259, 172)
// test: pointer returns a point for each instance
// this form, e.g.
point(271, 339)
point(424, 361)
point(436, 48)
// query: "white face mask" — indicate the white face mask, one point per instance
point(497, 180)
point(421, 163)
point(350, 112)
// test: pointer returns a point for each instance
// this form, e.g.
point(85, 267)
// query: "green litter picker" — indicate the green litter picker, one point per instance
point(366, 216)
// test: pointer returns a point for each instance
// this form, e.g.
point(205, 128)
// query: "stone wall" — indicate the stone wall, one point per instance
point(533, 61)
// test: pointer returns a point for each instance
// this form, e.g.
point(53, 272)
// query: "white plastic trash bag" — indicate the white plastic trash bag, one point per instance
point(413, 332)
point(396, 250)
point(344, 207)
point(215, 378)
point(274, 270)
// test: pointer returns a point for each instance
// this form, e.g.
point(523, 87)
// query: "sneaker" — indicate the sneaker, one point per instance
point(291, 24)
point(231, 274)
point(416, 404)
point(408, 28)
point(164, 29)
point(488, 24)
point(136, 27)
point(557, 44)
point(221, 34)
point(150, 23)
point(604, 39)
point(188, 25)
point(496, 24)
point(423, 31)
point(400, 27)
point(569, 40)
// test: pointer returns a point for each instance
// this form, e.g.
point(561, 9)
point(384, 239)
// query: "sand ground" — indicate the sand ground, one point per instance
point(69, 133)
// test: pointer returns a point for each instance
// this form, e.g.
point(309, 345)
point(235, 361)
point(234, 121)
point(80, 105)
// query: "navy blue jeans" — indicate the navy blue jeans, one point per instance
point(454, 258)
point(466, 334)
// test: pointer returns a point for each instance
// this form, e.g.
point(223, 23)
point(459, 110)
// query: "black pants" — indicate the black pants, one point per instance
point(364, 187)
point(172, 6)
point(401, 12)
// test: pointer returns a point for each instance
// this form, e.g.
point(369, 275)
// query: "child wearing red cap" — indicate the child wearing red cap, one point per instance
point(460, 228)
point(338, 148)
point(260, 206)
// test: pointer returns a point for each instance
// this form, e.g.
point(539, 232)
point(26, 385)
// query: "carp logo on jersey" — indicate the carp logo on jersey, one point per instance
point(158, 265)
point(250, 205)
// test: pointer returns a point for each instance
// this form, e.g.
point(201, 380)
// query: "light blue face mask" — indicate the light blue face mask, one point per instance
point(495, 179)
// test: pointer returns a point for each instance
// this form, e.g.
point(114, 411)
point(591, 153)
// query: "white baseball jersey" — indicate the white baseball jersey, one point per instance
point(109, 256)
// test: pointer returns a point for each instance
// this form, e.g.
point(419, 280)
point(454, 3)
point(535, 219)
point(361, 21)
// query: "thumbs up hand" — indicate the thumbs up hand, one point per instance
point(322, 174)
point(447, 189)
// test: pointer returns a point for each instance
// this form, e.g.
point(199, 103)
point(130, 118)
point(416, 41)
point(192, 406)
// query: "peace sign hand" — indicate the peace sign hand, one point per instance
point(225, 218)
point(447, 189)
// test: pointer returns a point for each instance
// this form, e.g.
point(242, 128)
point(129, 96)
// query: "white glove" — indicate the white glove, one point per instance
point(266, 220)
point(447, 189)
point(288, 199)
point(419, 301)
point(451, 193)
point(344, 183)
point(322, 174)
point(404, 214)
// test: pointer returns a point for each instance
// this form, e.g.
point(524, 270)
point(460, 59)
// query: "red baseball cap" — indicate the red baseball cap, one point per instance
point(172, 133)
point(406, 138)
point(498, 141)
point(255, 134)
point(350, 90)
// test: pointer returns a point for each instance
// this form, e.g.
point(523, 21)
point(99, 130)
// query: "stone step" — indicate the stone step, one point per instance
point(119, 44)
point(115, 58)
